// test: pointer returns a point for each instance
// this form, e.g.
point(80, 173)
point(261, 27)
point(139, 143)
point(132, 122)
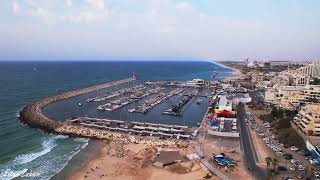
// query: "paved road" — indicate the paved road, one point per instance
point(250, 155)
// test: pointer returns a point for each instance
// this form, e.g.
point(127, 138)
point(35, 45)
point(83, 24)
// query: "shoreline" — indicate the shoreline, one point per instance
point(239, 71)
point(228, 66)
point(77, 163)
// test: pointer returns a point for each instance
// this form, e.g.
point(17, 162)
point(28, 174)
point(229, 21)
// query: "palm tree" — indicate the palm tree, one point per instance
point(268, 161)
point(312, 169)
point(274, 163)
point(307, 170)
point(269, 176)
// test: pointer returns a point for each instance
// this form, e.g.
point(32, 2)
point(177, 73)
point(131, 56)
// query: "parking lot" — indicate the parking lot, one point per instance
point(293, 163)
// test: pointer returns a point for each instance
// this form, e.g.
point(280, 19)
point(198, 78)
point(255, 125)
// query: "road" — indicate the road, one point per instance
point(250, 155)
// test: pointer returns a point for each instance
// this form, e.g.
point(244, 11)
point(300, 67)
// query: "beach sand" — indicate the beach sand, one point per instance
point(117, 161)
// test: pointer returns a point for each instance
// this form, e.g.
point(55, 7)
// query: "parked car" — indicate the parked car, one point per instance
point(287, 156)
point(302, 152)
point(301, 168)
point(288, 178)
point(282, 168)
point(300, 176)
point(293, 148)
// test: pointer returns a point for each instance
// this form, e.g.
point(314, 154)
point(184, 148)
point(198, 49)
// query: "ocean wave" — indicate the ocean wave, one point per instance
point(18, 112)
point(9, 174)
point(73, 153)
point(47, 146)
point(19, 166)
point(60, 137)
point(85, 140)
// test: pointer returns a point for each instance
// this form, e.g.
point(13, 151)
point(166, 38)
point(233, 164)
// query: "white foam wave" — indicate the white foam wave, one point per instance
point(13, 169)
point(47, 146)
point(18, 114)
point(85, 140)
point(9, 174)
point(60, 137)
point(73, 153)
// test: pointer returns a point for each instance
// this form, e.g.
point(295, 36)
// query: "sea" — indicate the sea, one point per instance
point(27, 153)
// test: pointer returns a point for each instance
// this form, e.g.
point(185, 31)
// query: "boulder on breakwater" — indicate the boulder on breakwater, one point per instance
point(32, 115)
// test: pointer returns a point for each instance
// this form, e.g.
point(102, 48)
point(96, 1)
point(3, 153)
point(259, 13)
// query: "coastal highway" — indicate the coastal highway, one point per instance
point(250, 155)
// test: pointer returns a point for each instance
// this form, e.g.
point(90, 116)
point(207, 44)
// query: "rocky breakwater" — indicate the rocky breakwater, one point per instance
point(32, 115)
point(69, 129)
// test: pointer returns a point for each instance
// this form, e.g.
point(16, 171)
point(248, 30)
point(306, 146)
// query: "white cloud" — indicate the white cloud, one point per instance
point(15, 7)
point(148, 28)
point(41, 12)
point(68, 3)
point(97, 4)
point(88, 17)
point(183, 5)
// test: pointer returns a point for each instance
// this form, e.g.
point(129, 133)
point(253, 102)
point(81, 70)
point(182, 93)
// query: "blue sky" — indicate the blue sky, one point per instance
point(159, 29)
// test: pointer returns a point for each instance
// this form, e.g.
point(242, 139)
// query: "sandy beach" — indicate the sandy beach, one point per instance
point(118, 160)
point(226, 66)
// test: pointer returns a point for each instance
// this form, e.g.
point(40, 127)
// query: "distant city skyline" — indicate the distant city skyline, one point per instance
point(159, 30)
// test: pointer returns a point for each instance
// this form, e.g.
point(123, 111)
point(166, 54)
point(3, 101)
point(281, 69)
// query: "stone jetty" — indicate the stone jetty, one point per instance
point(32, 115)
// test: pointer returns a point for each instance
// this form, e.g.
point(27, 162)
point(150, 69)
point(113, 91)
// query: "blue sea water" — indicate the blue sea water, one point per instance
point(31, 154)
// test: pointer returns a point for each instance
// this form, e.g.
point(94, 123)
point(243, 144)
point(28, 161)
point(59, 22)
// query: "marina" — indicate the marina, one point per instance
point(177, 110)
point(132, 104)
point(140, 102)
point(116, 93)
point(150, 103)
point(118, 103)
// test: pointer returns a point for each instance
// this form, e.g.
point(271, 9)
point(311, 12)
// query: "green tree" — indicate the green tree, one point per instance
point(268, 161)
point(274, 163)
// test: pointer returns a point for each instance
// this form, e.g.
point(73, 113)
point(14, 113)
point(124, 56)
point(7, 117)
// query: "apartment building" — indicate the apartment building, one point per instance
point(308, 119)
point(257, 77)
point(296, 79)
point(290, 97)
point(312, 69)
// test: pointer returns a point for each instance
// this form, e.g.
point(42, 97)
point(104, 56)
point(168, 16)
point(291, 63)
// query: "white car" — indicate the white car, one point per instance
point(301, 168)
point(293, 148)
point(292, 168)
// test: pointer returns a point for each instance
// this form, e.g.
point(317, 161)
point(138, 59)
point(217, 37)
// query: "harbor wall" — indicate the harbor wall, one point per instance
point(32, 115)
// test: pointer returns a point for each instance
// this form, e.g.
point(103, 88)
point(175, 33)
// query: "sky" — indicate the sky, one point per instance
point(159, 29)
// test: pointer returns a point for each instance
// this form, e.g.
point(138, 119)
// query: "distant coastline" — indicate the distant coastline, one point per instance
point(227, 66)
